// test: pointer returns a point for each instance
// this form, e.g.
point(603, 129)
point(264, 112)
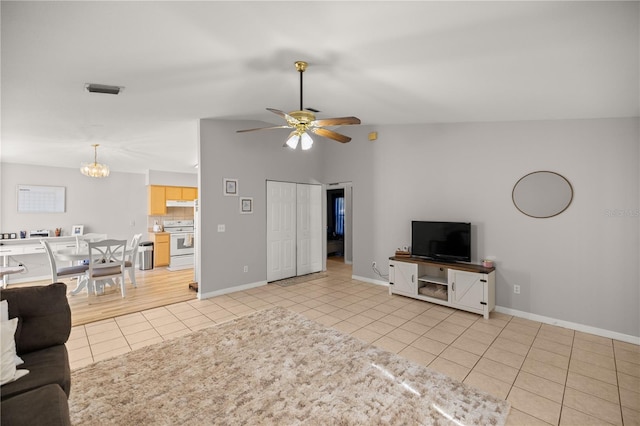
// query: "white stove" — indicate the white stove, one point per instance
point(173, 226)
point(181, 243)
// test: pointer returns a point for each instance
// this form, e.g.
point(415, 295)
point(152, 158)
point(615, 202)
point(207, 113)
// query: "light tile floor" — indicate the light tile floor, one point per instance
point(551, 375)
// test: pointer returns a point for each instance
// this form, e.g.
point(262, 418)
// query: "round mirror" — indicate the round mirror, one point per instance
point(542, 194)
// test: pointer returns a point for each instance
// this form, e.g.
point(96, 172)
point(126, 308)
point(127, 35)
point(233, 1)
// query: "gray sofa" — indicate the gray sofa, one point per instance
point(44, 325)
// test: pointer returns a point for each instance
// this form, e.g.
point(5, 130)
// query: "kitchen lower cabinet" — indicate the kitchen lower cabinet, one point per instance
point(161, 249)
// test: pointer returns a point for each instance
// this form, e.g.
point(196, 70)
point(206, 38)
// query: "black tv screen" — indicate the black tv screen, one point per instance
point(448, 241)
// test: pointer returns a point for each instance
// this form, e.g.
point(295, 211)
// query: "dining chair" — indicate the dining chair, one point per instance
point(65, 272)
point(106, 261)
point(130, 259)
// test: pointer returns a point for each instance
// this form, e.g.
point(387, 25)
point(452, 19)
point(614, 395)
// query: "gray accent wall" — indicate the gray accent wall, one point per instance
point(579, 267)
point(252, 158)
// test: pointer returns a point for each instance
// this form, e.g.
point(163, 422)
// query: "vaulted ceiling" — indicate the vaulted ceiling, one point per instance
point(384, 62)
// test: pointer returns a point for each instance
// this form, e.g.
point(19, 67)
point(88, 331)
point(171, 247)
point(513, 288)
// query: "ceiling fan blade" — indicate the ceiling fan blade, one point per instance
point(338, 121)
point(263, 128)
point(283, 115)
point(330, 134)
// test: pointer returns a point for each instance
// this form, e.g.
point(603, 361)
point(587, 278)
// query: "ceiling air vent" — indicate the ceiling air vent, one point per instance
point(103, 88)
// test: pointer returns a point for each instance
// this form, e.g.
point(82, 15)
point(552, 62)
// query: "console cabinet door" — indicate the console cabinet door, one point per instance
point(403, 277)
point(468, 290)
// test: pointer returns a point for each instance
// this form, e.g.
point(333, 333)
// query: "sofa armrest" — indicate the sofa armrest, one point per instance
point(44, 315)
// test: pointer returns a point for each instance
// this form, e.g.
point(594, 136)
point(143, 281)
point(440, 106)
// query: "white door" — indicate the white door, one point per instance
point(309, 229)
point(281, 230)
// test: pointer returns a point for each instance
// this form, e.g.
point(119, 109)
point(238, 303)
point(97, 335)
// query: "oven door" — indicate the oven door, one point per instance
point(182, 244)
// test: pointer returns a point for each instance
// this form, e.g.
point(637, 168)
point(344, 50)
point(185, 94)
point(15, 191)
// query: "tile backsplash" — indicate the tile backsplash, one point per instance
point(173, 213)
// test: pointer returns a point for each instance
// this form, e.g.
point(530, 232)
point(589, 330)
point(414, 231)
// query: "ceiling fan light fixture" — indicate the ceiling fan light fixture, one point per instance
point(305, 141)
point(292, 142)
point(95, 169)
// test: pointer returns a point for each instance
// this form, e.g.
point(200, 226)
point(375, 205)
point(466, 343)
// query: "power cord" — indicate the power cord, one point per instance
point(26, 269)
point(375, 269)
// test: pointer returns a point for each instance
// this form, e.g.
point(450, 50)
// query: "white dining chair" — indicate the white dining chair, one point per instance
point(65, 272)
point(106, 261)
point(130, 259)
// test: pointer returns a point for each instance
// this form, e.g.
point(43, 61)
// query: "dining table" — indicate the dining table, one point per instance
point(7, 270)
point(78, 254)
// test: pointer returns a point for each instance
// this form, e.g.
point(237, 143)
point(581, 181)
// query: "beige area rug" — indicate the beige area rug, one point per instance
point(301, 279)
point(272, 367)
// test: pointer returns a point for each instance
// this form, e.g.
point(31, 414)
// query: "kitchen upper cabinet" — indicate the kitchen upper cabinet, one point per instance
point(181, 193)
point(189, 193)
point(157, 200)
point(158, 196)
point(173, 192)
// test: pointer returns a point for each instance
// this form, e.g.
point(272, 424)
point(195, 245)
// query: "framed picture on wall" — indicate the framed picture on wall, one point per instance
point(230, 187)
point(77, 229)
point(246, 205)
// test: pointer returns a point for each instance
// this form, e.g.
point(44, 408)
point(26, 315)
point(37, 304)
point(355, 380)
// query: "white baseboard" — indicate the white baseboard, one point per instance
point(228, 290)
point(571, 325)
point(370, 280)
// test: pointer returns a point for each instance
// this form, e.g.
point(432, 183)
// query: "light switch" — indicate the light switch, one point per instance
point(221, 228)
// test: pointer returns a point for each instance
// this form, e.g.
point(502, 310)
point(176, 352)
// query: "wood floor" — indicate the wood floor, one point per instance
point(156, 287)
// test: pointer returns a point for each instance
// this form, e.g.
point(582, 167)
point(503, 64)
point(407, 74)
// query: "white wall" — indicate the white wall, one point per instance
point(578, 267)
point(158, 177)
point(116, 206)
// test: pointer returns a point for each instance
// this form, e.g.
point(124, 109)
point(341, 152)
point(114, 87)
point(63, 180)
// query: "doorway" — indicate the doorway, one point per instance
point(339, 221)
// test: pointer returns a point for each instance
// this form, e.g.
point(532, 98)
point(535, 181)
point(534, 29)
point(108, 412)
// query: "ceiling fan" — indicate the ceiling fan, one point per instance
point(304, 121)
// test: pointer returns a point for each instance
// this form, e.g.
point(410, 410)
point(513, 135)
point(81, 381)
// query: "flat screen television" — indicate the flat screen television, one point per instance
point(447, 241)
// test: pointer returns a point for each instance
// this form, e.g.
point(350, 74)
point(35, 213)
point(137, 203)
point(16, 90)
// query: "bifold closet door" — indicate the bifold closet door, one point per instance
point(281, 230)
point(309, 229)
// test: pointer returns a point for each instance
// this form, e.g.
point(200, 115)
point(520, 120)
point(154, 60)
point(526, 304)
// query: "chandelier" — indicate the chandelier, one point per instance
point(95, 169)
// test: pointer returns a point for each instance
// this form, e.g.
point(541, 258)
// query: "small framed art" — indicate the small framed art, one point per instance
point(77, 230)
point(246, 205)
point(230, 187)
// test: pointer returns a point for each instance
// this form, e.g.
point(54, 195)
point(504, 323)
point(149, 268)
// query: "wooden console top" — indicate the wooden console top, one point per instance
point(469, 267)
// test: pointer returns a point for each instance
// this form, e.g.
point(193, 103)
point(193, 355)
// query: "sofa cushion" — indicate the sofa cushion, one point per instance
point(8, 356)
point(46, 405)
point(44, 316)
point(46, 366)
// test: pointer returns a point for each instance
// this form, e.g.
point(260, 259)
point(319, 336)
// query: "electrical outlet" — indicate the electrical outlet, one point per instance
point(516, 289)
point(221, 228)
point(245, 269)
point(373, 264)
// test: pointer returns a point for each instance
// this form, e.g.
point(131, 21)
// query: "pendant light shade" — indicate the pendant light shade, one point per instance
point(95, 169)
point(292, 142)
point(303, 137)
point(305, 141)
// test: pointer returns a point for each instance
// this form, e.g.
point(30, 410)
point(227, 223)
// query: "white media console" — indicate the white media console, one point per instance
point(462, 286)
